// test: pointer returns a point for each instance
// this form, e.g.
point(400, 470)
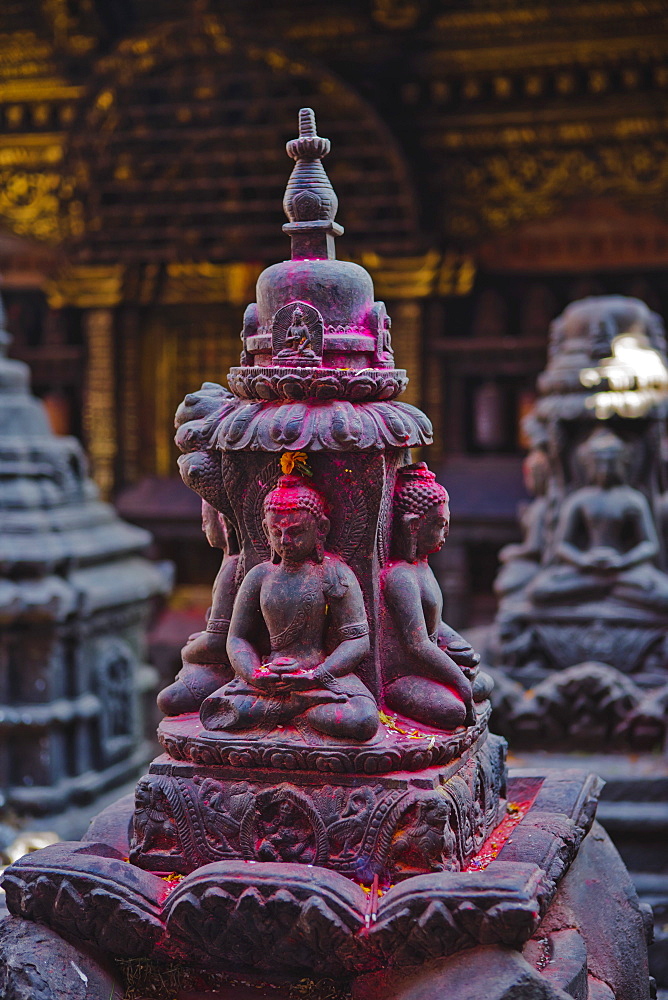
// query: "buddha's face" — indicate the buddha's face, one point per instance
point(606, 468)
point(433, 529)
point(293, 534)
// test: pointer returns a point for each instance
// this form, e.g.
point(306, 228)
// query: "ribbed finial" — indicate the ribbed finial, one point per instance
point(310, 202)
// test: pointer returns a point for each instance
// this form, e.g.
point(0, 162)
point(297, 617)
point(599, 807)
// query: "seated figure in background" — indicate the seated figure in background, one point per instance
point(425, 663)
point(522, 562)
point(605, 540)
point(298, 631)
point(205, 662)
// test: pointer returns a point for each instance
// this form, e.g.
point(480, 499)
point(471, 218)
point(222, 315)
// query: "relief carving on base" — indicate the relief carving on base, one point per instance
point(390, 828)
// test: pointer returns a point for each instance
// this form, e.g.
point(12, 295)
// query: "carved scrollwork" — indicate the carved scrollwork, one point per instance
point(290, 916)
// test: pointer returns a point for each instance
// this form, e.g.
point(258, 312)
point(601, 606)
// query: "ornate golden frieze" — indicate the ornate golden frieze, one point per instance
point(527, 131)
point(204, 282)
point(23, 54)
point(420, 276)
point(39, 89)
point(32, 202)
point(99, 398)
point(534, 14)
point(87, 287)
point(525, 53)
point(503, 189)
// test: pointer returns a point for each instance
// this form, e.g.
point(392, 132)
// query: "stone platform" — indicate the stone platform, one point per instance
point(287, 917)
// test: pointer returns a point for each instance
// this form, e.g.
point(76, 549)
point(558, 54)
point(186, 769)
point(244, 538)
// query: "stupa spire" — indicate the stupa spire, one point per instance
point(310, 201)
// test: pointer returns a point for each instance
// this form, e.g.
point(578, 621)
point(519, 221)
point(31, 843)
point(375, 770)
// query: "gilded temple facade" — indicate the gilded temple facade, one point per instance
point(508, 158)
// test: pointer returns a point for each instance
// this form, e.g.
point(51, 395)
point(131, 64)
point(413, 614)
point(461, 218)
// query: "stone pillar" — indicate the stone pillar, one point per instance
point(100, 398)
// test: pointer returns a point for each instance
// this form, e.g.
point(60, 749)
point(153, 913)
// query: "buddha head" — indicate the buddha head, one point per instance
point(295, 521)
point(604, 458)
point(219, 530)
point(536, 472)
point(421, 513)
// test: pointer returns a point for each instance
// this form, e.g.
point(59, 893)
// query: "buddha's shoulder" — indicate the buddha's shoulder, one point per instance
point(257, 574)
point(337, 574)
point(399, 571)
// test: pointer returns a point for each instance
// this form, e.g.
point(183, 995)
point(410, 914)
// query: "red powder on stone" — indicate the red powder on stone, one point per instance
point(498, 837)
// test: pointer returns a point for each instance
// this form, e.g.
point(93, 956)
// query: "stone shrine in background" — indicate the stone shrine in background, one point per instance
point(330, 802)
point(75, 598)
point(583, 614)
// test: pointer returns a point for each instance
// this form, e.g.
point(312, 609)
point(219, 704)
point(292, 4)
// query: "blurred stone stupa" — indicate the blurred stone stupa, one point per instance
point(75, 595)
point(583, 616)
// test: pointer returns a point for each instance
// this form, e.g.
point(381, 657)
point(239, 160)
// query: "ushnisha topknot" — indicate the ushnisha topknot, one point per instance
point(416, 490)
point(293, 492)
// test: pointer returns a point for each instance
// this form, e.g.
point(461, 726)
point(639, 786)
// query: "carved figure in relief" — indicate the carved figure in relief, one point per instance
point(297, 334)
point(154, 827)
point(425, 662)
point(298, 631)
point(424, 840)
point(605, 539)
point(522, 562)
point(205, 662)
point(297, 337)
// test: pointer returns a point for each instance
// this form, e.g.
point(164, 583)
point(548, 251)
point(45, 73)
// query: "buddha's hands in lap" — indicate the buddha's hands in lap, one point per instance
point(284, 681)
point(463, 655)
point(602, 558)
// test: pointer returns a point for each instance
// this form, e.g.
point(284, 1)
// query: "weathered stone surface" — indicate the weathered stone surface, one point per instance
point(598, 897)
point(300, 916)
point(113, 826)
point(491, 973)
point(37, 964)
point(394, 824)
point(561, 959)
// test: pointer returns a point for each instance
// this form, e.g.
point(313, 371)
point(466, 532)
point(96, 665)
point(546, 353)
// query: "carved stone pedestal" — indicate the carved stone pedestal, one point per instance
point(296, 916)
point(352, 814)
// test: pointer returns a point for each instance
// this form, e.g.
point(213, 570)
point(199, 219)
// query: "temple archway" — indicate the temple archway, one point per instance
point(178, 151)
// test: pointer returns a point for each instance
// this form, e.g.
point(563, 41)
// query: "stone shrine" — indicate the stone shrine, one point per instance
point(75, 597)
point(583, 609)
point(330, 801)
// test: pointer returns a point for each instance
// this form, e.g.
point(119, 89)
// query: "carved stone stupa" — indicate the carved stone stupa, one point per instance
point(583, 610)
point(75, 596)
point(330, 800)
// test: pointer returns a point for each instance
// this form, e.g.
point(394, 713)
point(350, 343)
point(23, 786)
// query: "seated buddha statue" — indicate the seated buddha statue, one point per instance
point(205, 663)
point(605, 538)
point(522, 561)
point(297, 338)
point(425, 663)
point(298, 632)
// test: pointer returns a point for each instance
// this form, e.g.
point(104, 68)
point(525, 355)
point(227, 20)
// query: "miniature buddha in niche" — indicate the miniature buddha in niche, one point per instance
point(605, 540)
point(205, 662)
point(298, 631)
point(297, 338)
point(424, 661)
